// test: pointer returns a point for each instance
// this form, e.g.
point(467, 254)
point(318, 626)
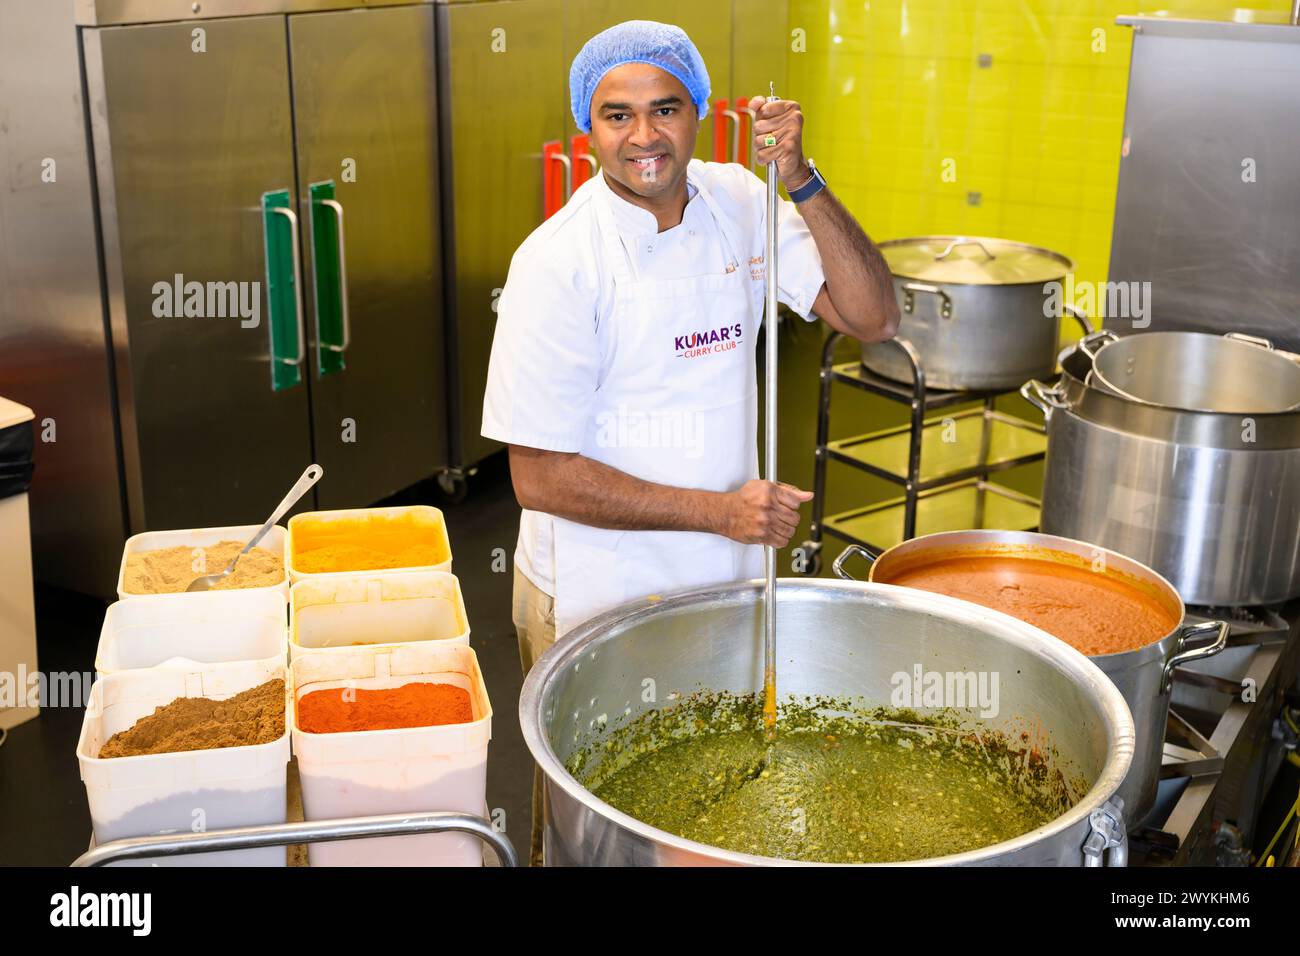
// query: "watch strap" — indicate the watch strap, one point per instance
point(811, 188)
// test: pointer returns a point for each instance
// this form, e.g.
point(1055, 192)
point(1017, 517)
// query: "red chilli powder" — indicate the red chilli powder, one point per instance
point(344, 709)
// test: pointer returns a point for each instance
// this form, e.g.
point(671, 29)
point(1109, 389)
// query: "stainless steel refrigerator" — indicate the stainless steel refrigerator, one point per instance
point(297, 153)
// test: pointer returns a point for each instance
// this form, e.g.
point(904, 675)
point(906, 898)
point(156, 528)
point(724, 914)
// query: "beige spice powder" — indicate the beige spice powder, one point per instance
point(170, 570)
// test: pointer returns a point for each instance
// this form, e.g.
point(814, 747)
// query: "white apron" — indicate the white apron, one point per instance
point(677, 405)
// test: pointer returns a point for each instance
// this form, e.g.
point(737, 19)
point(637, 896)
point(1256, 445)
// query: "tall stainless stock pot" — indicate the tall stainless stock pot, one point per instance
point(1210, 500)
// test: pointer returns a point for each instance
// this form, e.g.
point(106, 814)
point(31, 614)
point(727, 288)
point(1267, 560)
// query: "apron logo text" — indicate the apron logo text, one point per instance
point(722, 339)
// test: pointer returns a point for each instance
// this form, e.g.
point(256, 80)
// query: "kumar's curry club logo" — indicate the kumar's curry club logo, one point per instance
point(694, 344)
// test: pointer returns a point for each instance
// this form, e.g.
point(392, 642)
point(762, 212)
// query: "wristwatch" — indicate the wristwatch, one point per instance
point(811, 188)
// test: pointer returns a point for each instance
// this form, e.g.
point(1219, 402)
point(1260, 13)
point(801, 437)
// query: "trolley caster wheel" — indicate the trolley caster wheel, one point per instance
point(812, 559)
point(454, 486)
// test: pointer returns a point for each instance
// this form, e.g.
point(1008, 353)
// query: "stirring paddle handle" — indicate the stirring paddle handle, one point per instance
point(769, 439)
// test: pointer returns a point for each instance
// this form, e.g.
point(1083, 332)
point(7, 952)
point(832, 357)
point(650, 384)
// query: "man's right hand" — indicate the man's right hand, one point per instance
point(764, 512)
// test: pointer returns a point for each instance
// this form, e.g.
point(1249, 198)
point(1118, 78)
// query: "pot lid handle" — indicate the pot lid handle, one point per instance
point(963, 242)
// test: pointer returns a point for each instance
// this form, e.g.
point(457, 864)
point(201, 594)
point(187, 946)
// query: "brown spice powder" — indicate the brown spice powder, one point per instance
point(255, 716)
point(171, 570)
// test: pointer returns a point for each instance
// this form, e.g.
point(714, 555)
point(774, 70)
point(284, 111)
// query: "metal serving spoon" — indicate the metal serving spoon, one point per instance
point(309, 477)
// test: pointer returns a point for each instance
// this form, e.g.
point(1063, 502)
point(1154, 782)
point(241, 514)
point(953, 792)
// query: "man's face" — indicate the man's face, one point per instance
point(643, 128)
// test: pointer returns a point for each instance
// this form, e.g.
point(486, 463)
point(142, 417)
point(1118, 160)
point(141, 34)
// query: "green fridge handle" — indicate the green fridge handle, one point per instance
point(343, 279)
point(329, 265)
point(283, 287)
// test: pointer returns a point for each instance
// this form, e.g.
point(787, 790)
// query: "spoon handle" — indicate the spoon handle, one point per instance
point(309, 478)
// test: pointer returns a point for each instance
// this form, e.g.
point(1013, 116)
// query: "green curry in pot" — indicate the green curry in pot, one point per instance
point(838, 785)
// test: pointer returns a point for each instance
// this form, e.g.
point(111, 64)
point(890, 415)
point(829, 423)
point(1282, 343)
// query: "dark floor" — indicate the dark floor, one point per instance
point(43, 815)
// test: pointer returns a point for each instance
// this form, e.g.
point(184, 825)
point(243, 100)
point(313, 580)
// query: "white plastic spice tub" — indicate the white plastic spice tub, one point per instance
point(197, 538)
point(379, 529)
point(182, 630)
point(394, 771)
point(197, 790)
point(333, 612)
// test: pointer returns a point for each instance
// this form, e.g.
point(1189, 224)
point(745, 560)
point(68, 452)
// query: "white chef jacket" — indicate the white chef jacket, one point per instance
point(548, 349)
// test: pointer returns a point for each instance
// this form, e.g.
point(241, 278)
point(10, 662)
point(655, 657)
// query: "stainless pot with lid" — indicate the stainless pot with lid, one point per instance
point(1209, 500)
point(836, 639)
point(975, 309)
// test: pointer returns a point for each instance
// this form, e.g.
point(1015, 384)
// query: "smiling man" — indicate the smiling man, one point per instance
point(623, 372)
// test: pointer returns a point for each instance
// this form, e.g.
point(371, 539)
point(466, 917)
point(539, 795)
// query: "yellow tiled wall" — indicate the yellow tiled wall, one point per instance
point(892, 89)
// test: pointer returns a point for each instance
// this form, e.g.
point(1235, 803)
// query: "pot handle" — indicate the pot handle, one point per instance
point(909, 299)
point(1107, 833)
point(838, 566)
point(1183, 654)
point(1101, 335)
point(1080, 317)
point(1250, 340)
point(1042, 397)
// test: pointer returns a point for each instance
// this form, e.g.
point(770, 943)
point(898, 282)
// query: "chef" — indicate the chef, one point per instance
point(623, 371)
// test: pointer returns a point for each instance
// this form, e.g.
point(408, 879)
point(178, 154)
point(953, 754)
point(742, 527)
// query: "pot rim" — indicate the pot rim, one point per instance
point(1274, 431)
point(1055, 542)
point(1126, 343)
point(1118, 719)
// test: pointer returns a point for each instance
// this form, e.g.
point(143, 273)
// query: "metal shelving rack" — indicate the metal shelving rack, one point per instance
point(945, 481)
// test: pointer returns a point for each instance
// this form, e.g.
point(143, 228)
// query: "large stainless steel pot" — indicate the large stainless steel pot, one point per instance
point(1143, 675)
point(835, 638)
point(975, 310)
point(1210, 500)
point(1193, 371)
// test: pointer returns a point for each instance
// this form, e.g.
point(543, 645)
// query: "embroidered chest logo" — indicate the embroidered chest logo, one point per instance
point(757, 270)
point(695, 344)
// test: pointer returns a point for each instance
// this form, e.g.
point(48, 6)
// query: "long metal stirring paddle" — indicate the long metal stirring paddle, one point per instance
point(769, 440)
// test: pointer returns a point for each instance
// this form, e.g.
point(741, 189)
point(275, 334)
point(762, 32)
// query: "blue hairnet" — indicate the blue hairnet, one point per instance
point(636, 41)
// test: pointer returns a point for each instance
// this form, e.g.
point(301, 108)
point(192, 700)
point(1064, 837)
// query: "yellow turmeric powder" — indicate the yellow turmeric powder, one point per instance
point(346, 557)
point(368, 540)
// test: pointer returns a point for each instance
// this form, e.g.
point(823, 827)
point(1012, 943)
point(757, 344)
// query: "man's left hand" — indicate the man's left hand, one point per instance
point(783, 120)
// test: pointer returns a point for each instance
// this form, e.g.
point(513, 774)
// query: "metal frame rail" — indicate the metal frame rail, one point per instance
point(311, 831)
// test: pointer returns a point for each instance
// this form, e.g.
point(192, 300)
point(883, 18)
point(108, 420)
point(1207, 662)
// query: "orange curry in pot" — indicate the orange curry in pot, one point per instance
point(1096, 612)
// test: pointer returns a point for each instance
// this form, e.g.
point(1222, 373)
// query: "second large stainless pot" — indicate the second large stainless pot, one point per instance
point(1143, 675)
point(835, 639)
point(1210, 500)
point(1195, 372)
point(975, 310)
